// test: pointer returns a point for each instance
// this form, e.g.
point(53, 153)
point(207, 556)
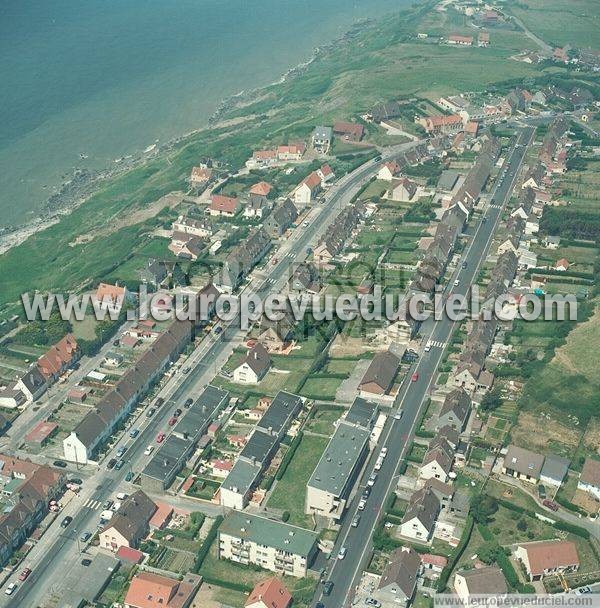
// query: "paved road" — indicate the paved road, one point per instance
point(58, 550)
point(398, 434)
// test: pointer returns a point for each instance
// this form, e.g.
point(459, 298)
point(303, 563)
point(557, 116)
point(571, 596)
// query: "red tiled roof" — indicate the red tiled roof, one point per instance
point(272, 593)
point(326, 170)
point(550, 554)
point(349, 128)
point(130, 555)
point(58, 356)
point(434, 560)
point(262, 188)
point(41, 431)
point(201, 174)
point(161, 515)
point(312, 181)
point(225, 204)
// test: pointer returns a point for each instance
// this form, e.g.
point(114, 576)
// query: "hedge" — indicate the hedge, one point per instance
point(289, 455)
point(208, 541)
point(460, 549)
point(213, 580)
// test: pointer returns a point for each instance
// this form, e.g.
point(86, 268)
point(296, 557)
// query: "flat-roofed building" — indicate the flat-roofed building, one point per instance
point(167, 461)
point(362, 413)
point(332, 480)
point(279, 415)
point(273, 545)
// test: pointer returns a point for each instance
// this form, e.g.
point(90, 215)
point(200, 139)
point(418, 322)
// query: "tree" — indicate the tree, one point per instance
point(522, 525)
point(488, 552)
point(492, 400)
point(483, 507)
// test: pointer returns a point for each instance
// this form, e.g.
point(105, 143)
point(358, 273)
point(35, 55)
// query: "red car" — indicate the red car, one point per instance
point(172, 421)
point(550, 504)
point(24, 574)
point(160, 438)
point(414, 377)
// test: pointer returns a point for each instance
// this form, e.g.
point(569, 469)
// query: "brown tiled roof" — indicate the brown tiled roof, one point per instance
point(551, 554)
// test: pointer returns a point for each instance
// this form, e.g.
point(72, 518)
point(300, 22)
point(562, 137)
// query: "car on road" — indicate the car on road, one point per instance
point(188, 402)
point(355, 521)
point(107, 504)
point(414, 377)
point(362, 504)
point(377, 159)
point(456, 282)
point(372, 479)
point(371, 601)
point(342, 553)
point(274, 261)
point(76, 481)
point(319, 605)
point(327, 587)
point(464, 265)
point(119, 464)
point(428, 346)
point(306, 223)
point(129, 476)
point(159, 402)
point(121, 451)
point(85, 537)
point(583, 590)
point(218, 330)
point(66, 521)
point(160, 437)
point(150, 412)
point(366, 492)
point(177, 412)
point(550, 504)
point(86, 562)
point(172, 420)
point(398, 415)
point(483, 220)
point(60, 463)
point(26, 572)
point(111, 463)
point(10, 589)
point(133, 433)
point(148, 450)
point(185, 370)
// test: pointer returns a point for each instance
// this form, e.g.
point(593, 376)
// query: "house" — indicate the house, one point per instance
point(280, 219)
point(186, 246)
point(200, 176)
point(321, 139)
point(150, 590)
point(308, 189)
point(11, 397)
point(130, 524)
point(275, 335)
point(164, 274)
point(447, 180)
point(534, 177)
point(548, 557)
point(59, 358)
point(272, 545)
point(483, 39)
point(432, 565)
point(380, 375)
point(389, 170)
point(452, 123)
point(270, 593)
point(348, 131)
point(562, 265)
point(399, 578)
point(438, 461)
point(460, 40)
point(455, 410)
point(253, 367)
point(532, 225)
point(420, 516)
point(32, 384)
point(522, 464)
point(226, 206)
point(261, 189)
point(385, 111)
point(110, 297)
point(188, 225)
point(480, 581)
point(554, 470)
point(256, 205)
point(291, 152)
point(402, 190)
point(306, 279)
point(511, 243)
point(326, 174)
point(221, 468)
point(589, 480)
point(262, 159)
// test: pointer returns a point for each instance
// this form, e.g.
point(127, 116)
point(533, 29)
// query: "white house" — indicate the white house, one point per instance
point(253, 367)
point(589, 481)
point(308, 189)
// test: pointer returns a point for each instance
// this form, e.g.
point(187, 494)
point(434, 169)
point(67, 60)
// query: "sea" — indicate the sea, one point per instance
point(85, 82)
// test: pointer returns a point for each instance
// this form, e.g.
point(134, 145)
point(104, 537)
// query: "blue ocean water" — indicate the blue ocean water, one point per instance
point(106, 78)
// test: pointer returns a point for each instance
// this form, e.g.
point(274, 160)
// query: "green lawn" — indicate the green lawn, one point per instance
point(290, 491)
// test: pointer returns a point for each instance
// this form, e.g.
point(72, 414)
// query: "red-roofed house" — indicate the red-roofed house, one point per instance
point(442, 124)
point(308, 189)
point(350, 131)
point(149, 590)
point(262, 189)
point(262, 159)
point(59, 357)
point(548, 557)
point(221, 468)
point(127, 554)
point(110, 297)
point(433, 563)
point(200, 176)
point(270, 593)
point(40, 433)
point(227, 206)
point(326, 174)
point(161, 516)
point(471, 128)
point(562, 265)
point(389, 170)
point(460, 40)
point(291, 151)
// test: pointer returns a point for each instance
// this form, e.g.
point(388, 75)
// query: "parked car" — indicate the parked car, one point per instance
point(362, 504)
point(456, 282)
point(76, 481)
point(371, 601)
point(60, 463)
point(366, 492)
point(119, 464)
point(327, 587)
point(172, 420)
point(85, 537)
point(134, 433)
point(159, 402)
point(129, 476)
point(151, 412)
point(148, 450)
point(86, 562)
point(414, 377)
point(550, 504)
point(160, 437)
point(10, 588)
point(107, 504)
point(355, 521)
point(372, 479)
point(188, 402)
point(66, 521)
point(121, 451)
point(111, 463)
point(342, 553)
point(464, 265)
point(177, 412)
point(26, 572)
point(383, 452)
point(398, 415)
point(583, 590)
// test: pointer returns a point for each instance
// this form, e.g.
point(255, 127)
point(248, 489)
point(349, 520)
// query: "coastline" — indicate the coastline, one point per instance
point(85, 183)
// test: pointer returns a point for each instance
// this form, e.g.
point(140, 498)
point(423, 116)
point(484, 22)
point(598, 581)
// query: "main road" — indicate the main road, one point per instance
point(57, 555)
point(345, 574)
